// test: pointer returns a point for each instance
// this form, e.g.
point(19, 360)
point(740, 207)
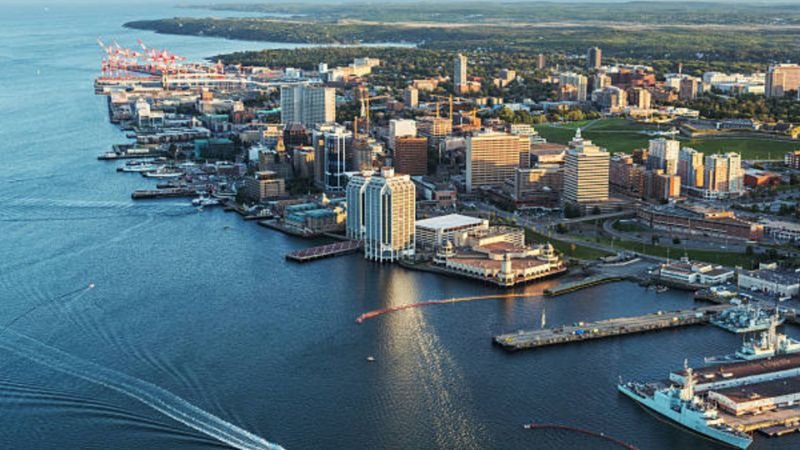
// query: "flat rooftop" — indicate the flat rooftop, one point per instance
point(758, 391)
point(743, 369)
point(448, 221)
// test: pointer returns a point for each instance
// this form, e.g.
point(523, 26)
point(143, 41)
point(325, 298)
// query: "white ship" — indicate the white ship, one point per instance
point(765, 345)
point(683, 407)
point(202, 200)
point(138, 168)
point(745, 319)
point(163, 172)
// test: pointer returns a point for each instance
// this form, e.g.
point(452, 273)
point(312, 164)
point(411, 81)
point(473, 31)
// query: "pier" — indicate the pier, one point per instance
point(606, 328)
point(324, 251)
point(587, 282)
point(144, 194)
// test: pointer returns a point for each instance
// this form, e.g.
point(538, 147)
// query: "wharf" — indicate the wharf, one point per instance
point(324, 251)
point(144, 194)
point(573, 286)
point(772, 423)
point(606, 328)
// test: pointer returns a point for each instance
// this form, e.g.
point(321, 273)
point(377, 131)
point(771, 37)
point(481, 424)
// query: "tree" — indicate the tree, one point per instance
point(749, 250)
point(676, 240)
point(596, 210)
point(654, 239)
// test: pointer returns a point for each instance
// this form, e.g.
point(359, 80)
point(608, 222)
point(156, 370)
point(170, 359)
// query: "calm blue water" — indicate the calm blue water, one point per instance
point(204, 306)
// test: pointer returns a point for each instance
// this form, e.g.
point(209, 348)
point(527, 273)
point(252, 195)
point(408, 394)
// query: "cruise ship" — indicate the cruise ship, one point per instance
point(765, 345)
point(745, 319)
point(683, 407)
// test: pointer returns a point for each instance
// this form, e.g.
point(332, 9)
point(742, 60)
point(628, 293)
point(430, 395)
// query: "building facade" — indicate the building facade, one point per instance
point(492, 158)
point(586, 172)
point(389, 216)
point(308, 105)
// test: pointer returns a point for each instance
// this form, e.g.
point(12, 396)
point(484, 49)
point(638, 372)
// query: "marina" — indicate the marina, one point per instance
point(606, 328)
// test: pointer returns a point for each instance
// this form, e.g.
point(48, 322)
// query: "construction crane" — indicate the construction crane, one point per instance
point(449, 99)
point(364, 98)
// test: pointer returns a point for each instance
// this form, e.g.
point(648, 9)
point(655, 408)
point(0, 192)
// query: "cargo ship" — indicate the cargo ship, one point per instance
point(682, 406)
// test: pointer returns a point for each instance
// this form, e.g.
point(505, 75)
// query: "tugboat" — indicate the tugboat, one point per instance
point(683, 407)
point(765, 345)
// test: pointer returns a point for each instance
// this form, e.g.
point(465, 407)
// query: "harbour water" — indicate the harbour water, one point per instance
point(203, 306)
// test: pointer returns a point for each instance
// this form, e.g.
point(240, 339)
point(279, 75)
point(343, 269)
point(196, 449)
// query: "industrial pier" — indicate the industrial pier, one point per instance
point(606, 328)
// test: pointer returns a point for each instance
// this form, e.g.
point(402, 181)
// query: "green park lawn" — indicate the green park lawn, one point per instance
point(621, 135)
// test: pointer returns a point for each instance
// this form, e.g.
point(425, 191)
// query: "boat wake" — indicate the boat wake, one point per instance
point(147, 393)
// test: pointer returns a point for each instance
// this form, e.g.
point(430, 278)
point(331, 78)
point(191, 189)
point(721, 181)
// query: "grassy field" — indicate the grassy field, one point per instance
point(568, 249)
point(665, 251)
point(621, 135)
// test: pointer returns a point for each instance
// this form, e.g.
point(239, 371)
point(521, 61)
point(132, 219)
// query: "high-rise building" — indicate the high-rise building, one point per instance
point(688, 88)
point(600, 81)
point(411, 155)
point(594, 58)
point(660, 186)
point(586, 170)
point(540, 61)
point(411, 97)
point(399, 128)
point(492, 158)
point(434, 128)
point(610, 98)
point(381, 210)
point(723, 174)
point(663, 154)
point(355, 195)
point(782, 78)
point(576, 80)
point(690, 167)
point(308, 105)
point(639, 98)
point(460, 73)
point(332, 157)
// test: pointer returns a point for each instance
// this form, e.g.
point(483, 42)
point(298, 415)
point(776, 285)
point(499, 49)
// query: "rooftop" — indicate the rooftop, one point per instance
point(780, 277)
point(744, 369)
point(449, 221)
point(758, 391)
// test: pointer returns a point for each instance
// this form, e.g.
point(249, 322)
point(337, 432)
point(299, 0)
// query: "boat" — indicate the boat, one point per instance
point(745, 319)
point(661, 289)
point(370, 359)
point(202, 201)
point(765, 345)
point(163, 172)
point(682, 406)
point(137, 168)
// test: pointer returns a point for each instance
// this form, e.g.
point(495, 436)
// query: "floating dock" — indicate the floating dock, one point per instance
point(606, 328)
point(587, 282)
point(324, 251)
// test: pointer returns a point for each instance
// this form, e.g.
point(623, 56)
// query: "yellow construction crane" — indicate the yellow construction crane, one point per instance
point(449, 99)
point(365, 99)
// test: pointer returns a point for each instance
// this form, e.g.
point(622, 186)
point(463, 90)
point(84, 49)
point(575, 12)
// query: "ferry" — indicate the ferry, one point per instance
point(765, 345)
point(683, 407)
point(745, 319)
point(163, 172)
point(137, 168)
